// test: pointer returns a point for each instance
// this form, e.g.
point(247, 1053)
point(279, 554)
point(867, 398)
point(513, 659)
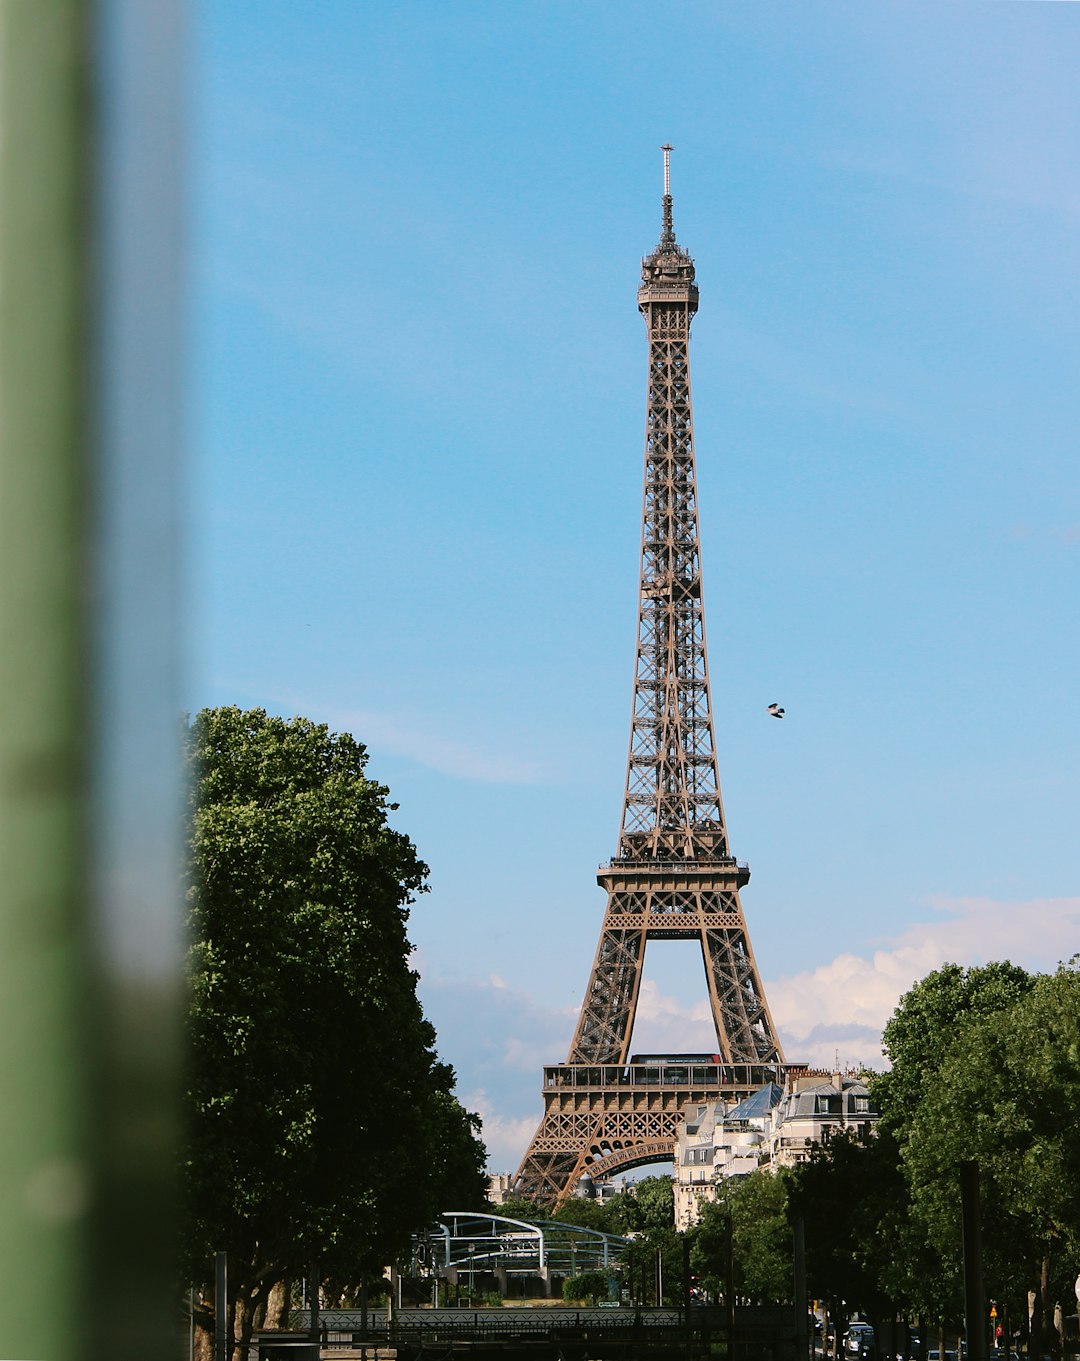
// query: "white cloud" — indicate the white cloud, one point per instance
point(666, 1024)
point(653, 1005)
point(498, 1039)
point(506, 1136)
point(840, 1007)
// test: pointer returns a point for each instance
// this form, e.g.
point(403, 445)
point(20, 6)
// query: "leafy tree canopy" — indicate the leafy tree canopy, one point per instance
point(649, 1206)
point(519, 1207)
point(590, 1285)
point(929, 1018)
point(986, 1067)
point(588, 1214)
point(1006, 1097)
point(853, 1200)
point(321, 1124)
point(757, 1206)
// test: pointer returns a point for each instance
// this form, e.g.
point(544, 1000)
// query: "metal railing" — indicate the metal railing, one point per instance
point(546, 1321)
point(702, 862)
point(708, 1077)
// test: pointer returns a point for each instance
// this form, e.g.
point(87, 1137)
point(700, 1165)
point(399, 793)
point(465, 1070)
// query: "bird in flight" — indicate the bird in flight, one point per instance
point(776, 711)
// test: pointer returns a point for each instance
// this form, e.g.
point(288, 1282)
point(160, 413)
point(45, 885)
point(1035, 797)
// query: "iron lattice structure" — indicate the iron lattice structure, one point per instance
point(673, 877)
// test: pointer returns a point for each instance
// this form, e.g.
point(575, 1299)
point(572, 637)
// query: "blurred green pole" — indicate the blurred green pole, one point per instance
point(46, 1175)
point(89, 937)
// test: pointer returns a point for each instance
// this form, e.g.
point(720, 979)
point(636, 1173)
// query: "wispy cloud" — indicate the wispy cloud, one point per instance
point(498, 1039)
point(418, 740)
point(668, 1024)
point(448, 755)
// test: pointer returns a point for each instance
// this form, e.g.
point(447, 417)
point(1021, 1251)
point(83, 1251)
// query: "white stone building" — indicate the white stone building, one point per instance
point(695, 1149)
point(714, 1143)
point(814, 1107)
point(772, 1128)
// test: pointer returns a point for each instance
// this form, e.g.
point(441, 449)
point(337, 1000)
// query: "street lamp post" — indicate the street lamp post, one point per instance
point(472, 1252)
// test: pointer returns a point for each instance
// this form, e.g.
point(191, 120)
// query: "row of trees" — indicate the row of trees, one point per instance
point(654, 1266)
point(985, 1067)
point(321, 1125)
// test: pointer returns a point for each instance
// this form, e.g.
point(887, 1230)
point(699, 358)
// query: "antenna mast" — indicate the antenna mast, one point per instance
point(667, 236)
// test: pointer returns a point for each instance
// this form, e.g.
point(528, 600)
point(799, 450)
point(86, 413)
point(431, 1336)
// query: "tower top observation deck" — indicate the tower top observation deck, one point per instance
point(667, 274)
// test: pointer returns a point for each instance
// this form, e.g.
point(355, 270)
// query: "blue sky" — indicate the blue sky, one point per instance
point(417, 376)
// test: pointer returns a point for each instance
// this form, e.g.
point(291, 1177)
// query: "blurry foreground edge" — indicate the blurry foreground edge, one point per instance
point(90, 940)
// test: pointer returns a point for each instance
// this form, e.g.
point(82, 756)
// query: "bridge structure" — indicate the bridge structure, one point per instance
point(464, 1246)
point(749, 1332)
point(548, 1333)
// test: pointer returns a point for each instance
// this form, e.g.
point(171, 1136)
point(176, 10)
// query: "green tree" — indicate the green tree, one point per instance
point(586, 1213)
point(1006, 1096)
point(647, 1212)
point(709, 1246)
point(590, 1285)
point(928, 1019)
point(853, 1199)
point(648, 1206)
point(321, 1124)
point(762, 1234)
point(518, 1207)
point(757, 1206)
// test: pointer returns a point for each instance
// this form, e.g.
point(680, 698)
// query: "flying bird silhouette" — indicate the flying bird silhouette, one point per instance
point(776, 711)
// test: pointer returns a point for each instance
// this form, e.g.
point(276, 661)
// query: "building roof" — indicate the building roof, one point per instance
point(757, 1104)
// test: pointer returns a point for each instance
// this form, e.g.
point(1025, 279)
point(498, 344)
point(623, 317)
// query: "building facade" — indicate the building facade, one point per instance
point(772, 1128)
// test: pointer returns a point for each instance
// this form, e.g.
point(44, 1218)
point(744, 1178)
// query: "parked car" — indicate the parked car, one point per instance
point(859, 1340)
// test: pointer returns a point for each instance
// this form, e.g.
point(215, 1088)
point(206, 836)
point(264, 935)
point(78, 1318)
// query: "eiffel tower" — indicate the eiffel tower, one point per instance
point(673, 876)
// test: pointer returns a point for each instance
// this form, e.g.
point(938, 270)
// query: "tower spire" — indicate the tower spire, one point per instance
point(667, 234)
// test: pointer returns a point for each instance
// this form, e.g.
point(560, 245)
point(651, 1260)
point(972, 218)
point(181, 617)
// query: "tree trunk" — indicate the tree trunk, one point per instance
point(204, 1342)
point(887, 1338)
point(277, 1305)
point(247, 1301)
point(203, 1318)
point(1044, 1312)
